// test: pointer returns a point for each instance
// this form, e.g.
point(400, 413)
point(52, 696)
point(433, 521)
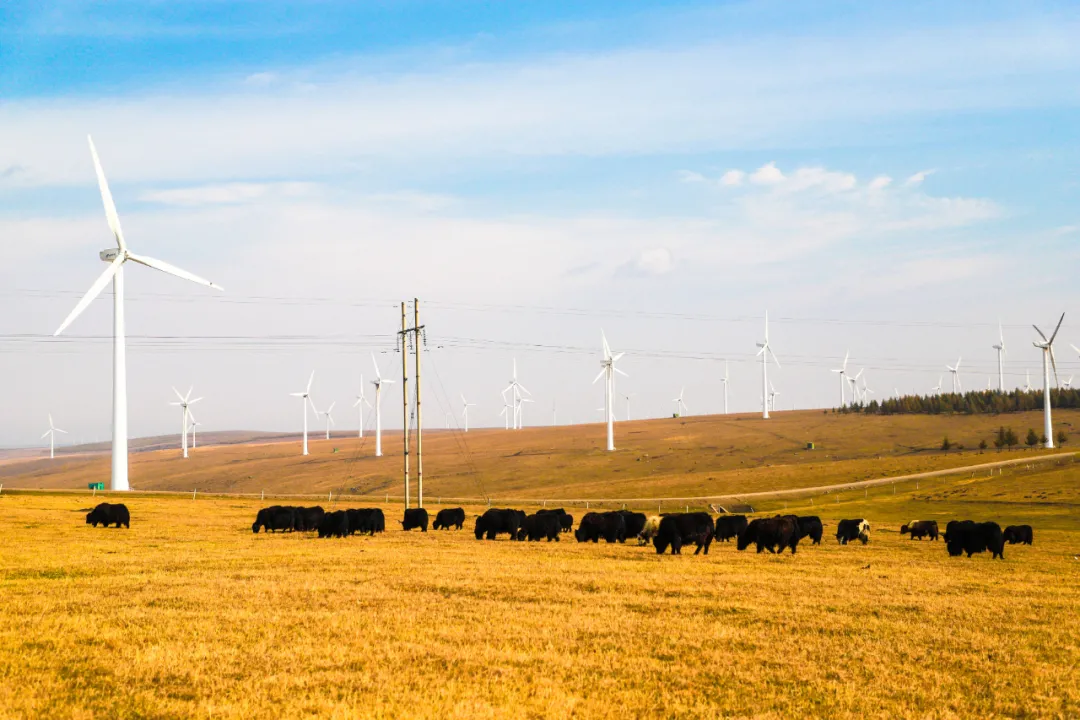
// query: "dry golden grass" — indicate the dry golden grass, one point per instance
point(695, 456)
point(187, 614)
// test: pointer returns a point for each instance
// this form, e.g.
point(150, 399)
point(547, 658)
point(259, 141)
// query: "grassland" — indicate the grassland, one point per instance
point(187, 614)
point(694, 456)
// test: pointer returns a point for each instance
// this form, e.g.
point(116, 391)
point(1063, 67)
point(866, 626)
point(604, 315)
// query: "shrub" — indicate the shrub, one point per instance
point(1062, 437)
point(982, 444)
point(1032, 439)
point(1010, 438)
point(945, 444)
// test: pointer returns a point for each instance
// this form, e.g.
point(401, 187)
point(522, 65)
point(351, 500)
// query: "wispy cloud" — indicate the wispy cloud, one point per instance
point(226, 194)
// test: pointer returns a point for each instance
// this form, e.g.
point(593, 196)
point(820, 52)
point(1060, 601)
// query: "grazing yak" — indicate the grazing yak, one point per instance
point(495, 522)
point(649, 530)
point(680, 529)
point(810, 526)
point(634, 523)
point(1018, 534)
point(107, 514)
point(542, 525)
point(918, 529)
point(449, 517)
point(852, 530)
point(966, 536)
point(275, 518)
point(415, 518)
point(774, 534)
point(566, 520)
point(334, 524)
point(610, 525)
point(308, 518)
point(366, 520)
point(729, 526)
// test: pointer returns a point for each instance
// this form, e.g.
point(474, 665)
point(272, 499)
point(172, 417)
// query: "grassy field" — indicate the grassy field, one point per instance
point(188, 614)
point(694, 456)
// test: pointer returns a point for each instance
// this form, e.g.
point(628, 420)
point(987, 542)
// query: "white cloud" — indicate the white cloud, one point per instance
point(261, 79)
point(880, 182)
point(732, 178)
point(767, 174)
point(225, 194)
point(688, 176)
point(657, 261)
point(1066, 230)
point(917, 179)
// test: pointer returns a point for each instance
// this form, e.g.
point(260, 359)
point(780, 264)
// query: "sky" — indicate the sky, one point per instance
point(886, 180)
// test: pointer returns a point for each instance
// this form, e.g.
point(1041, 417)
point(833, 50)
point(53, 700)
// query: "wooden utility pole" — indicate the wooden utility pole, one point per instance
point(417, 328)
point(405, 397)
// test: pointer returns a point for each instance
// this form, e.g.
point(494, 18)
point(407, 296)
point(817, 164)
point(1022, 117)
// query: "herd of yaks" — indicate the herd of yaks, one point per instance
point(672, 530)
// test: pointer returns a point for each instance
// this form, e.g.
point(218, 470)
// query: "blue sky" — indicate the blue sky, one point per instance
point(882, 163)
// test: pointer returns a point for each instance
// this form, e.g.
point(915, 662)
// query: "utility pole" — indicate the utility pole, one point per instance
point(416, 336)
point(405, 398)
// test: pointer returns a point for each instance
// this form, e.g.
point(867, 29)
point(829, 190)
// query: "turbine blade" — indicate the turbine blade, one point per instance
point(310, 380)
point(1040, 333)
point(599, 376)
point(1053, 362)
point(331, 408)
point(620, 372)
point(171, 269)
point(178, 395)
point(46, 433)
point(523, 388)
point(92, 293)
point(617, 356)
point(1057, 328)
point(192, 402)
point(107, 199)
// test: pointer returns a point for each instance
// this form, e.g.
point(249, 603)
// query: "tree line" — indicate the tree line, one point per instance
point(990, 402)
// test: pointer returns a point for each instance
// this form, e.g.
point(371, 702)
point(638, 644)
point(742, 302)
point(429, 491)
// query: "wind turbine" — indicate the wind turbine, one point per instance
point(725, 381)
point(854, 382)
point(772, 395)
point(1027, 381)
point(516, 389)
point(328, 416)
point(117, 257)
point(866, 390)
point(628, 396)
point(937, 388)
point(378, 383)
point(607, 372)
point(1068, 383)
point(465, 411)
point(361, 401)
point(194, 424)
point(306, 400)
point(51, 434)
point(955, 370)
point(521, 411)
point(680, 406)
point(765, 352)
point(842, 372)
point(1047, 346)
point(185, 401)
point(1000, 347)
point(506, 414)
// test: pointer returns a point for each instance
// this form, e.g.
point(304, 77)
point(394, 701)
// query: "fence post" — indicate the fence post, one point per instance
point(194, 490)
point(94, 494)
point(586, 504)
point(811, 501)
point(687, 508)
point(262, 495)
point(658, 507)
point(330, 497)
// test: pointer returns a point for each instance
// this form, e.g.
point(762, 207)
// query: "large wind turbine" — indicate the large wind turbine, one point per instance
point(306, 400)
point(765, 352)
point(842, 371)
point(117, 257)
point(329, 418)
point(465, 405)
point(955, 371)
point(607, 372)
point(51, 433)
point(1047, 346)
point(516, 389)
point(378, 383)
point(1000, 347)
point(185, 402)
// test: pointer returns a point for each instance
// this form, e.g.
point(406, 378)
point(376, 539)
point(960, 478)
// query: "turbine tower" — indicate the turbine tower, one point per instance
point(765, 352)
point(328, 416)
point(1047, 346)
point(465, 405)
point(607, 372)
point(680, 406)
point(378, 383)
point(628, 396)
point(725, 381)
point(1000, 347)
point(117, 257)
point(51, 433)
point(194, 424)
point(185, 401)
point(306, 400)
point(361, 401)
point(955, 370)
point(842, 371)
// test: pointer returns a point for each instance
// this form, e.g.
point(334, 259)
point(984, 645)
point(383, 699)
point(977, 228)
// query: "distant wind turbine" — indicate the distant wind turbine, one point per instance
point(361, 401)
point(1027, 381)
point(937, 388)
point(194, 424)
point(955, 371)
point(628, 396)
point(1068, 383)
point(185, 402)
point(725, 381)
point(854, 382)
point(329, 418)
point(306, 400)
point(51, 434)
point(680, 405)
point(773, 392)
point(1000, 347)
point(465, 405)
point(517, 392)
point(607, 372)
point(765, 352)
point(1047, 346)
point(117, 257)
point(842, 372)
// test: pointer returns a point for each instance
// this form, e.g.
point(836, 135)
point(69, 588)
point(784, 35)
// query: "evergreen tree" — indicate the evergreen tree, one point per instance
point(1032, 439)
